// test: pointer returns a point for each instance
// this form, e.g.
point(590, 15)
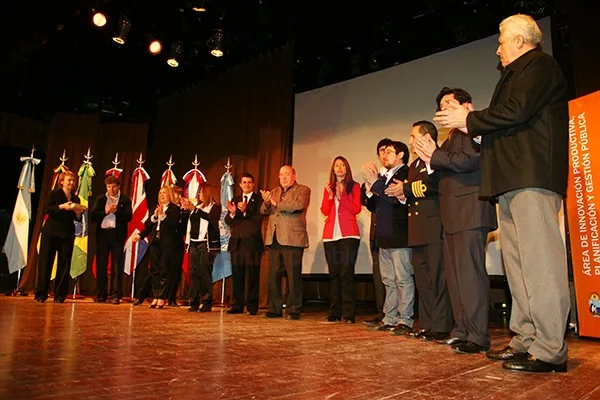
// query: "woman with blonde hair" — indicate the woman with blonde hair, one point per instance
point(163, 230)
point(341, 238)
point(58, 238)
point(204, 242)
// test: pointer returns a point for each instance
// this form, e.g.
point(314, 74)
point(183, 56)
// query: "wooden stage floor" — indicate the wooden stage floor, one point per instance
point(82, 350)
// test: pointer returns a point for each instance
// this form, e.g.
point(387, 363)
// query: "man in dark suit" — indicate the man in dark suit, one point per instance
point(111, 213)
point(524, 164)
point(425, 230)
point(287, 238)
point(245, 245)
point(467, 220)
point(374, 246)
point(392, 236)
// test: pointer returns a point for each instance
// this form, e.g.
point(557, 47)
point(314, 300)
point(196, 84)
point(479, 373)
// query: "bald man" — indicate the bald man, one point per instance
point(286, 239)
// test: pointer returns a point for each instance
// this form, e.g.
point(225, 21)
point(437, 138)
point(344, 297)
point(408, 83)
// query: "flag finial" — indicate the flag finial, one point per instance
point(195, 163)
point(116, 160)
point(88, 157)
point(64, 157)
point(170, 163)
point(140, 160)
point(32, 150)
point(228, 166)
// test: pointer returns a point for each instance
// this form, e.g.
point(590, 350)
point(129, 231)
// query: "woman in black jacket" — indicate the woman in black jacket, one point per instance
point(58, 237)
point(163, 230)
point(204, 242)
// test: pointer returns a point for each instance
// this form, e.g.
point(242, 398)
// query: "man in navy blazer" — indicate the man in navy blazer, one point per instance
point(111, 213)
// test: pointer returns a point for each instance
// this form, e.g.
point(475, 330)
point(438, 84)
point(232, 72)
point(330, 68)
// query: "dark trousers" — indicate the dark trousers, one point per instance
point(377, 281)
point(288, 260)
point(341, 260)
point(50, 246)
point(201, 266)
point(468, 284)
point(107, 243)
point(435, 310)
point(175, 274)
point(160, 257)
point(245, 262)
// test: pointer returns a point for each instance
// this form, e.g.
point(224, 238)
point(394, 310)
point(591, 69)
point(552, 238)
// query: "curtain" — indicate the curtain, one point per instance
point(246, 116)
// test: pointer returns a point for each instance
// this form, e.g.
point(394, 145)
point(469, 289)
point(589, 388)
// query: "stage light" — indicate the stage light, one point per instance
point(173, 54)
point(199, 6)
point(155, 47)
point(124, 28)
point(216, 44)
point(99, 19)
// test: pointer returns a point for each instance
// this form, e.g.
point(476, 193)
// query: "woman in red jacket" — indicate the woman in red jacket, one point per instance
point(341, 238)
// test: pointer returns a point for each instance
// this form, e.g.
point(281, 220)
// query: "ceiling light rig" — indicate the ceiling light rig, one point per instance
point(155, 47)
point(199, 5)
point(173, 54)
point(124, 28)
point(99, 19)
point(216, 43)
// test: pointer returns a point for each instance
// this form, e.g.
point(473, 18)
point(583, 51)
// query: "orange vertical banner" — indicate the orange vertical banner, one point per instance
point(583, 209)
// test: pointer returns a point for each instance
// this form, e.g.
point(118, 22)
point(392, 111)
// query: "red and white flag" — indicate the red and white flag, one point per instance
point(168, 177)
point(193, 179)
point(135, 251)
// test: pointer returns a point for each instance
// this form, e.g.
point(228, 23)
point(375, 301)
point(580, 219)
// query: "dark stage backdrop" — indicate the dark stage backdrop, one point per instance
point(245, 115)
point(74, 134)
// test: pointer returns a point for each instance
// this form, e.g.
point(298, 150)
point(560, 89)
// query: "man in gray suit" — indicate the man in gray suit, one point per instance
point(286, 239)
point(467, 220)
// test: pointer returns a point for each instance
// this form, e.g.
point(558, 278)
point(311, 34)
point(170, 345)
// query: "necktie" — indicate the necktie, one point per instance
point(245, 199)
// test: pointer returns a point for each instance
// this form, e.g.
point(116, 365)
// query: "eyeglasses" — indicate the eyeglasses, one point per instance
point(390, 152)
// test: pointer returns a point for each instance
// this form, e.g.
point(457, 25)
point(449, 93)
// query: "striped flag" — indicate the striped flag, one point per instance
point(222, 264)
point(84, 191)
point(135, 251)
point(16, 242)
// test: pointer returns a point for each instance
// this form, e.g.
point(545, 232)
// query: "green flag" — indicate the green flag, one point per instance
point(84, 191)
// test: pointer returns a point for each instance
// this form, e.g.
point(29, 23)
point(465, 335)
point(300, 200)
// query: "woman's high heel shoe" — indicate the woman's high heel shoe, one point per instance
point(153, 304)
point(159, 304)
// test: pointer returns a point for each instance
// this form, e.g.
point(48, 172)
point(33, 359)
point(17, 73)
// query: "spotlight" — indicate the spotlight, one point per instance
point(99, 19)
point(155, 47)
point(216, 44)
point(173, 54)
point(124, 28)
point(199, 6)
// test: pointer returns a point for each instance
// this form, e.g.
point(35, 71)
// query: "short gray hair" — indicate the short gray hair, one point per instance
point(524, 25)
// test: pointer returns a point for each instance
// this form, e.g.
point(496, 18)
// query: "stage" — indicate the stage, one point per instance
point(83, 350)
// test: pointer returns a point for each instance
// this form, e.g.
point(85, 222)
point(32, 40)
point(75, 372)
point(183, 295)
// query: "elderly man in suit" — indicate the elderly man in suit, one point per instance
point(524, 164)
point(286, 238)
point(467, 220)
point(111, 213)
point(245, 245)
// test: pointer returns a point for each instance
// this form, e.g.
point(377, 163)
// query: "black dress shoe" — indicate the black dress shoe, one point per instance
point(505, 354)
point(433, 336)
point(137, 302)
point(331, 318)
point(293, 317)
point(116, 301)
point(100, 300)
point(400, 329)
point(469, 347)
point(349, 320)
point(235, 311)
point(271, 315)
point(252, 312)
point(204, 308)
point(40, 299)
point(382, 327)
point(372, 322)
point(529, 363)
point(173, 304)
point(59, 300)
point(193, 308)
point(415, 333)
point(451, 341)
